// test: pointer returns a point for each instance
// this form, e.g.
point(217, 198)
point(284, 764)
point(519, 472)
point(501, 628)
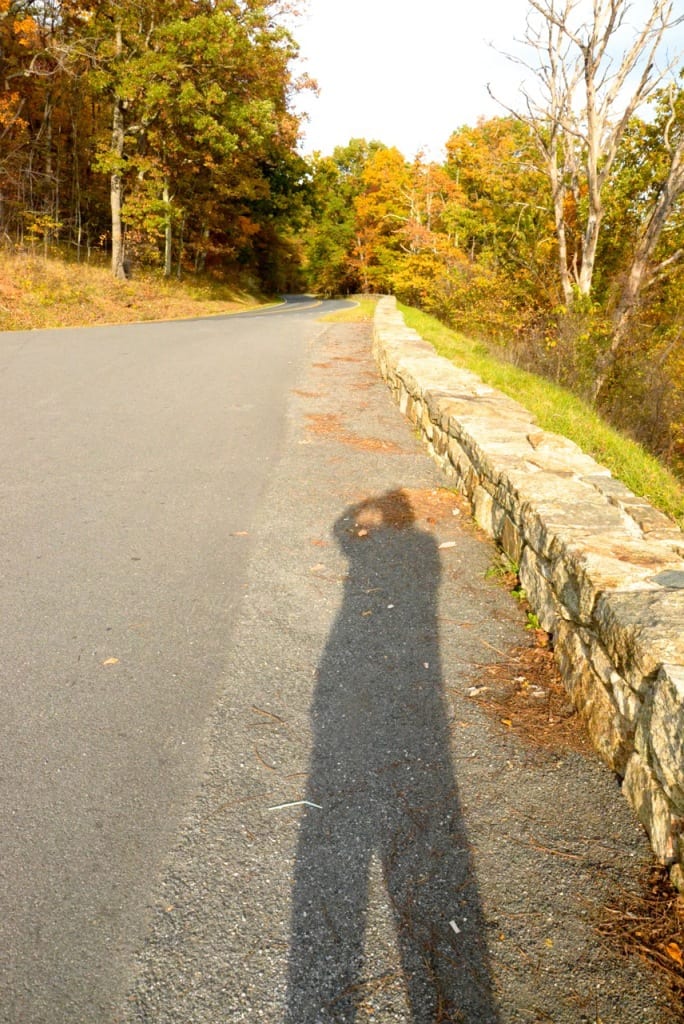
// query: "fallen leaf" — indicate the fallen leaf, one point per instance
point(111, 661)
point(367, 613)
point(507, 721)
point(674, 951)
point(548, 943)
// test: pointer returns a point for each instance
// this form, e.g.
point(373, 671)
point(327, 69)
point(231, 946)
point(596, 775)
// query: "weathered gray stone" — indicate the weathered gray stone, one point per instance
point(629, 704)
point(403, 401)
point(662, 736)
point(457, 456)
point(510, 539)
point(672, 579)
point(483, 506)
point(649, 521)
point(645, 794)
point(583, 572)
point(498, 519)
point(555, 524)
point(611, 732)
point(641, 630)
point(534, 579)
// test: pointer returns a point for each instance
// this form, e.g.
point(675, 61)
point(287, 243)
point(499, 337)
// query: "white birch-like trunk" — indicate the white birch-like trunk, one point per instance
point(116, 180)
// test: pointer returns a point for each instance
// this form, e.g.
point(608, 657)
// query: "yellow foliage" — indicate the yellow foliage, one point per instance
point(26, 31)
point(9, 107)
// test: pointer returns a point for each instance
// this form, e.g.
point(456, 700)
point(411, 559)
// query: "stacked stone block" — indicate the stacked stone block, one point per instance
point(603, 570)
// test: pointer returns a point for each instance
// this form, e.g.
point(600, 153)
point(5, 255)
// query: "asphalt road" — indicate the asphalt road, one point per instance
point(132, 460)
point(244, 777)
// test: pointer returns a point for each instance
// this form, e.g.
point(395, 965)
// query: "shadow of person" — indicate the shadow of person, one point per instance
point(383, 780)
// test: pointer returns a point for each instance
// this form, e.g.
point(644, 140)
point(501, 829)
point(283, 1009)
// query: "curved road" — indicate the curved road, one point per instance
point(131, 462)
point(242, 774)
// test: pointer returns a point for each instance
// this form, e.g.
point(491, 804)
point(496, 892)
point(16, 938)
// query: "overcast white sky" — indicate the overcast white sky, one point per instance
point(408, 74)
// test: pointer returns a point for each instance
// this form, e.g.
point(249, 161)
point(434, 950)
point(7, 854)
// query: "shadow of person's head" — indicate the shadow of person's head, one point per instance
point(390, 511)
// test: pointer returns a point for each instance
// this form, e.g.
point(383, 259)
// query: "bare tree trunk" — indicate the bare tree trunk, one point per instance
point(116, 180)
point(669, 193)
point(179, 268)
point(116, 195)
point(76, 204)
point(589, 94)
point(558, 195)
point(48, 212)
point(201, 253)
point(168, 234)
point(642, 271)
point(363, 267)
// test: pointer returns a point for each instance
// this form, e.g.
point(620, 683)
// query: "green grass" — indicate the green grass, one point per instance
point(558, 411)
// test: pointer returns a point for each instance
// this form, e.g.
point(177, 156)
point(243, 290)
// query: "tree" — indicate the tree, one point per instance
point(382, 211)
point(503, 207)
point(666, 189)
point(24, 98)
point(336, 183)
point(196, 94)
point(501, 220)
point(593, 75)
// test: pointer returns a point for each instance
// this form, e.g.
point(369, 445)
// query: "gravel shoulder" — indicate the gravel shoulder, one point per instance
point(370, 842)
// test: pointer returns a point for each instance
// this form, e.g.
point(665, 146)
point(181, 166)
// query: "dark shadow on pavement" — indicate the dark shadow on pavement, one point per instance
point(382, 775)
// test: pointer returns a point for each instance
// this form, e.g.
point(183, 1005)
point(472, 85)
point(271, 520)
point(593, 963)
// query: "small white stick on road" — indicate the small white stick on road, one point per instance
point(296, 803)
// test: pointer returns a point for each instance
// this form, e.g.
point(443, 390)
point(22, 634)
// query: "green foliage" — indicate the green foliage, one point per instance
point(206, 151)
point(329, 240)
point(502, 568)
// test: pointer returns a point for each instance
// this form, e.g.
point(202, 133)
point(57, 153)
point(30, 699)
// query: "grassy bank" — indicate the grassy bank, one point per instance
point(37, 292)
point(557, 410)
point(362, 312)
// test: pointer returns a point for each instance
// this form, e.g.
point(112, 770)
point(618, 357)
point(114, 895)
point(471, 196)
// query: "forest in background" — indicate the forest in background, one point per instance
point(162, 135)
point(158, 132)
point(472, 241)
point(555, 232)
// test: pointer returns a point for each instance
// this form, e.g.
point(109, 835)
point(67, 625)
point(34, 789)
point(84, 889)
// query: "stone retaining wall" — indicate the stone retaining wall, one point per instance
point(603, 570)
